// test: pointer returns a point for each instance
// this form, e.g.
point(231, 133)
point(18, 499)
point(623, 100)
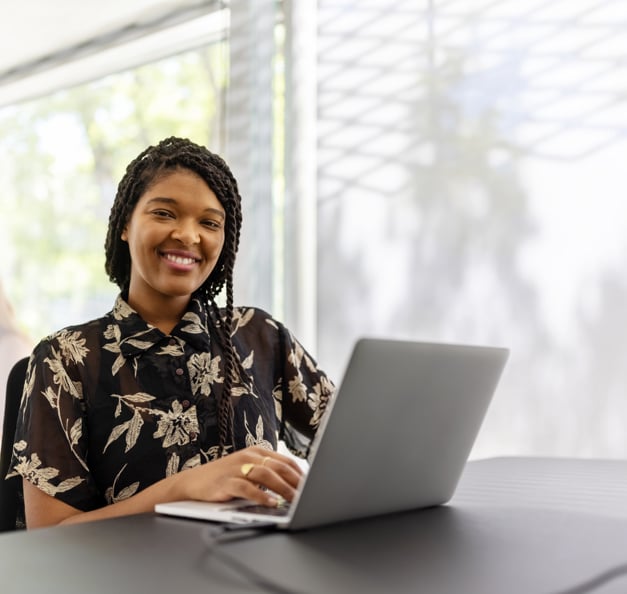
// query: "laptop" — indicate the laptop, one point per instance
point(395, 437)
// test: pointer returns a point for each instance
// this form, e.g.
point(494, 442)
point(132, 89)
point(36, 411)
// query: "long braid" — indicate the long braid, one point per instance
point(148, 168)
point(225, 408)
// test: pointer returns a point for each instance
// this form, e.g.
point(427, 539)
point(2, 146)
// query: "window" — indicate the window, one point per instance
point(63, 155)
point(471, 189)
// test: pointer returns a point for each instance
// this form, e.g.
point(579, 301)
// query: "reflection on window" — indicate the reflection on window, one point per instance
point(471, 159)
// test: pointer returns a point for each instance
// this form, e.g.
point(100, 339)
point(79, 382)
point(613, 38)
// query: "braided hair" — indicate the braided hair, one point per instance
point(148, 168)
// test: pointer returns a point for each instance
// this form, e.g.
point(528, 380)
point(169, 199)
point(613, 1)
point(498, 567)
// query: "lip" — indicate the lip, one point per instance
point(179, 259)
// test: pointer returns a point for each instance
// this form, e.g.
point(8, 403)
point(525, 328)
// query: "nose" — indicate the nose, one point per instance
point(186, 232)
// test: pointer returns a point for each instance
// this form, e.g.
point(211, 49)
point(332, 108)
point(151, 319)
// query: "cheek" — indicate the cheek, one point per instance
point(217, 248)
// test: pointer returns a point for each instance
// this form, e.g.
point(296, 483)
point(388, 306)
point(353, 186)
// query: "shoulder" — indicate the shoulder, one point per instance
point(72, 343)
point(75, 331)
point(245, 315)
point(254, 317)
point(254, 328)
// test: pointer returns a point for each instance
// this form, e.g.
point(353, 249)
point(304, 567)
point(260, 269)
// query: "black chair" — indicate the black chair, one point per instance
point(11, 496)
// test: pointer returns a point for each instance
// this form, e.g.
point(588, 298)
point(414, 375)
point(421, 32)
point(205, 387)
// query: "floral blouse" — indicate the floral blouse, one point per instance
point(115, 405)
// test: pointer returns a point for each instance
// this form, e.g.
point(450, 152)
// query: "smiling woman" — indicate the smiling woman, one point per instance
point(168, 396)
point(175, 237)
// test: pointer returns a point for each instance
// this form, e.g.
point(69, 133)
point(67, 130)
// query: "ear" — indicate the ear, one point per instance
point(124, 235)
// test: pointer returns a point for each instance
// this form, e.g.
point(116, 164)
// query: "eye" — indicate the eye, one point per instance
point(211, 224)
point(162, 213)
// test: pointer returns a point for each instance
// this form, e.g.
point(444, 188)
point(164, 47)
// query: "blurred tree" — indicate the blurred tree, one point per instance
point(64, 156)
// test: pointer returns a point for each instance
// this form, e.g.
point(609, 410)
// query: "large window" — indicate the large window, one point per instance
point(452, 171)
point(63, 155)
point(471, 189)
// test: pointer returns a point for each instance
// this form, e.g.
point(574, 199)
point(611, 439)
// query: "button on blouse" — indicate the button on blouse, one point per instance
point(104, 416)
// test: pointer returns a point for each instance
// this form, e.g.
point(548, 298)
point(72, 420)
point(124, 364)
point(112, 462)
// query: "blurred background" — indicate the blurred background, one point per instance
point(440, 170)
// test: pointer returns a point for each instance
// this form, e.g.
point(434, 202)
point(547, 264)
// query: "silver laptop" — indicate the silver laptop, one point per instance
point(396, 436)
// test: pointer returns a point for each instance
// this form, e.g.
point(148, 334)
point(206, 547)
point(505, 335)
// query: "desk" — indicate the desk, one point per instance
point(514, 526)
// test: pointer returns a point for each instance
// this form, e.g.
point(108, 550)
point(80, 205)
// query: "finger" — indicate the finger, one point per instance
point(283, 482)
point(292, 475)
point(256, 467)
point(262, 454)
point(246, 489)
point(267, 457)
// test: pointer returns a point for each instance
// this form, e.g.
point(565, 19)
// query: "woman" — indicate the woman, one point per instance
point(168, 396)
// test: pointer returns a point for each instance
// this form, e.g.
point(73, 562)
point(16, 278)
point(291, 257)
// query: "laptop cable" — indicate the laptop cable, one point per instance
point(215, 536)
point(597, 581)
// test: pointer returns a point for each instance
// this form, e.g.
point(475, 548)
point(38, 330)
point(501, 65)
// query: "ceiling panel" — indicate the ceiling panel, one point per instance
point(32, 30)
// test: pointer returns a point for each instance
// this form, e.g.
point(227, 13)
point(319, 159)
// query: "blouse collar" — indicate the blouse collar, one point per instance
point(137, 336)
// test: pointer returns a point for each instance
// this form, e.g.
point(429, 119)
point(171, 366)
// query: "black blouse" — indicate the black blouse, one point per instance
point(115, 405)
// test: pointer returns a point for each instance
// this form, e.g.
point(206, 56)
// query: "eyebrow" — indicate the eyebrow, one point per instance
point(166, 200)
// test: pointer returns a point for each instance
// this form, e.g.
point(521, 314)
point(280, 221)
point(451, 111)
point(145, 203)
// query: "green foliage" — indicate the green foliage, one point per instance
point(63, 156)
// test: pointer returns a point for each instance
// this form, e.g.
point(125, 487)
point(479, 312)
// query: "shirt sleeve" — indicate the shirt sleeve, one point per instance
point(50, 447)
point(303, 391)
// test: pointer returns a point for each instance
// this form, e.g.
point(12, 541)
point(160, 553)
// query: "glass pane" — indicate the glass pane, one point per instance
point(63, 156)
point(471, 189)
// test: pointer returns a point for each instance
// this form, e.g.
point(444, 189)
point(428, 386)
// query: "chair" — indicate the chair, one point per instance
point(11, 496)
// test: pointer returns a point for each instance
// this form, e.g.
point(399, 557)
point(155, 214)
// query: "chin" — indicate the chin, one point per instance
point(178, 292)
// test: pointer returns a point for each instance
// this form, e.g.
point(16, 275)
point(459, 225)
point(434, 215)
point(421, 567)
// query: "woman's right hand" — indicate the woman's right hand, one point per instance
point(253, 473)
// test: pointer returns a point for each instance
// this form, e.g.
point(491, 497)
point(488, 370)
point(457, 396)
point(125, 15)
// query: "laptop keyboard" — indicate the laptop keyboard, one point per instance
point(281, 510)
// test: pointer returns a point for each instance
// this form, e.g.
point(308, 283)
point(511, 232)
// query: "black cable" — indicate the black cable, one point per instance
point(213, 537)
point(598, 580)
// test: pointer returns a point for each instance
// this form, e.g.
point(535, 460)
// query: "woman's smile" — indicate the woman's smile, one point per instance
point(179, 260)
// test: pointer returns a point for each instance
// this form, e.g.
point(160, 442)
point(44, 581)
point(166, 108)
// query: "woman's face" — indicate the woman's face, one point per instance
point(175, 236)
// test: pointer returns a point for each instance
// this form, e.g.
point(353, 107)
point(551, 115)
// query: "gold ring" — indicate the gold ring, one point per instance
point(246, 468)
point(266, 458)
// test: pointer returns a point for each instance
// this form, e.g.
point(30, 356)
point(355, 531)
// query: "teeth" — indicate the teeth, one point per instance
point(179, 259)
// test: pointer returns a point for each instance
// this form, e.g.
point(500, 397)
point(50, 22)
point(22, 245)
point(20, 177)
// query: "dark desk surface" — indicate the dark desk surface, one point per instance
point(515, 526)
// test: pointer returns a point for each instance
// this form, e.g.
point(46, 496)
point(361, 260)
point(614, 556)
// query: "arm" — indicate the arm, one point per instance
point(304, 391)
point(216, 481)
point(50, 453)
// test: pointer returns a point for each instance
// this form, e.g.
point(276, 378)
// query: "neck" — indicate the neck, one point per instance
point(164, 315)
